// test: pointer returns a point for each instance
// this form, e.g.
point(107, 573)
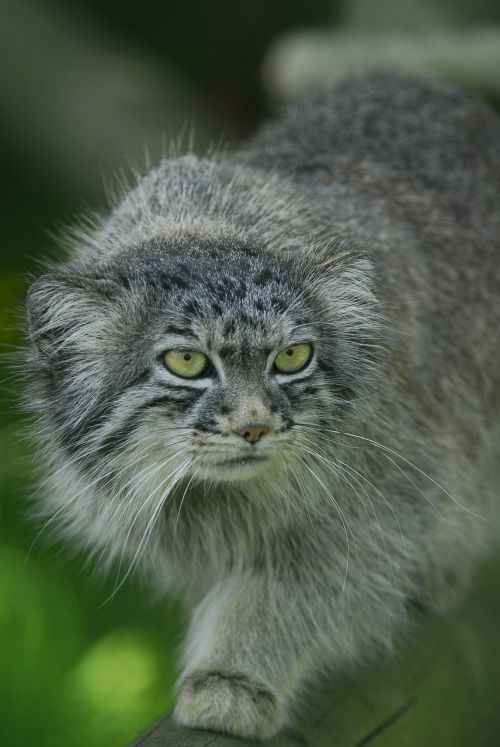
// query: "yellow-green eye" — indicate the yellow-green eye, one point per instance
point(185, 363)
point(293, 358)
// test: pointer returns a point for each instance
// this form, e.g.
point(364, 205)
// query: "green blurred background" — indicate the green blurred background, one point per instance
point(85, 85)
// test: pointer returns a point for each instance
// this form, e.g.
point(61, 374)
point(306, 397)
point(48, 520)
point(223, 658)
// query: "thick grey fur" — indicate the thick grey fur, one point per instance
point(366, 221)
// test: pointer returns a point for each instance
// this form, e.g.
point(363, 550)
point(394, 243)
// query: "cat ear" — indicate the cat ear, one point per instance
point(344, 281)
point(60, 307)
point(344, 270)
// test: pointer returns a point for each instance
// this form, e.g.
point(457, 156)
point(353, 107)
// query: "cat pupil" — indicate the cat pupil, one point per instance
point(187, 356)
point(289, 352)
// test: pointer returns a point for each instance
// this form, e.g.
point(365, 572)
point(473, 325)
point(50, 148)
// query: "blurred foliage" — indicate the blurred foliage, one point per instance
point(82, 83)
point(75, 667)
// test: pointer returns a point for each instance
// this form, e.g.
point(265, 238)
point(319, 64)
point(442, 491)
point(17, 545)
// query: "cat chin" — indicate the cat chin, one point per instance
point(235, 470)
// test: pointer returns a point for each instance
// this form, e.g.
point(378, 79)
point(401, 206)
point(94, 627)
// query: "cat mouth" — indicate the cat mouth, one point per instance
point(237, 467)
point(241, 461)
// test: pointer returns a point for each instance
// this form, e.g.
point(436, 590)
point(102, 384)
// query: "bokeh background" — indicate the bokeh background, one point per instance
point(86, 87)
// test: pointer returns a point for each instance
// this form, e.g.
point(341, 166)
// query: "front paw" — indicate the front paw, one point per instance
point(227, 702)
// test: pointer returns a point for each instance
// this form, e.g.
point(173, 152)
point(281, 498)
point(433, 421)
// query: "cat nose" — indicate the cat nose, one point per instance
point(252, 433)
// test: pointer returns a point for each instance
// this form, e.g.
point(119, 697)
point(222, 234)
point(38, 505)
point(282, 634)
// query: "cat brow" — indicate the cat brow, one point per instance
point(181, 331)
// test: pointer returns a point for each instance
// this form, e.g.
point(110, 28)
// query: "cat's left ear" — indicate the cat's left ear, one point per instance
point(343, 282)
point(344, 274)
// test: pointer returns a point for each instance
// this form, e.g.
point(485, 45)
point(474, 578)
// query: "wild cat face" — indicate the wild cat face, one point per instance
point(198, 361)
point(245, 376)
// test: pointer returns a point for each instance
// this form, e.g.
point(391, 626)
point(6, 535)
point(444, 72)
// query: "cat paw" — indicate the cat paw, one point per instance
point(231, 703)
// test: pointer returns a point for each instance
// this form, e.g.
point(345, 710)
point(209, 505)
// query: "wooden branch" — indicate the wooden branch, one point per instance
point(164, 733)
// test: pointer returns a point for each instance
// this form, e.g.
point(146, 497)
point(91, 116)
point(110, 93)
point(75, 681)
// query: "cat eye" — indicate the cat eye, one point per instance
point(188, 364)
point(293, 358)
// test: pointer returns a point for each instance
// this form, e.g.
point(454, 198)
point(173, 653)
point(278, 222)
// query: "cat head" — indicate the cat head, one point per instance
point(195, 361)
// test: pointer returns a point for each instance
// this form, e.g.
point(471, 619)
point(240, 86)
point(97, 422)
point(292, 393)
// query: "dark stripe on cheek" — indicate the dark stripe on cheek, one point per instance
point(295, 388)
point(188, 394)
point(141, 378)
point(310, 390)
point(206, 426)
point(71, 435)
point(344, 393)
point(119, 437)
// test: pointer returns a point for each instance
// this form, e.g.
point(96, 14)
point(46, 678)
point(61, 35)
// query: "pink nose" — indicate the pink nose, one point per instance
point(252, 433)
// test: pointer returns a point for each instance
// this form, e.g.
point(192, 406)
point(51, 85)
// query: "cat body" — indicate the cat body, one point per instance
point(300, 513)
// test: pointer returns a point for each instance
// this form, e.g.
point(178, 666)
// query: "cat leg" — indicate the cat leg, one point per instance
point(247, 652)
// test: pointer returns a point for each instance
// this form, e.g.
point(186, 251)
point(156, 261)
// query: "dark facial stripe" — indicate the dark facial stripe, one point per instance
point(208, 425)
point(181, 331)
point(294, 388)
point(120, 435)
point(96, 417)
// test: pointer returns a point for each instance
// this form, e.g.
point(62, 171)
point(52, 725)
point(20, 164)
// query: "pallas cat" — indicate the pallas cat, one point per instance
point(269, 380)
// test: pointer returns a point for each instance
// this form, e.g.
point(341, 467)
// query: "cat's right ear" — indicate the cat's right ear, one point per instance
point(61, 307)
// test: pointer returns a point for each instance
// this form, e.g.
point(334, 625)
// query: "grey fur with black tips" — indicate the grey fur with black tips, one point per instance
point(300, 515)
